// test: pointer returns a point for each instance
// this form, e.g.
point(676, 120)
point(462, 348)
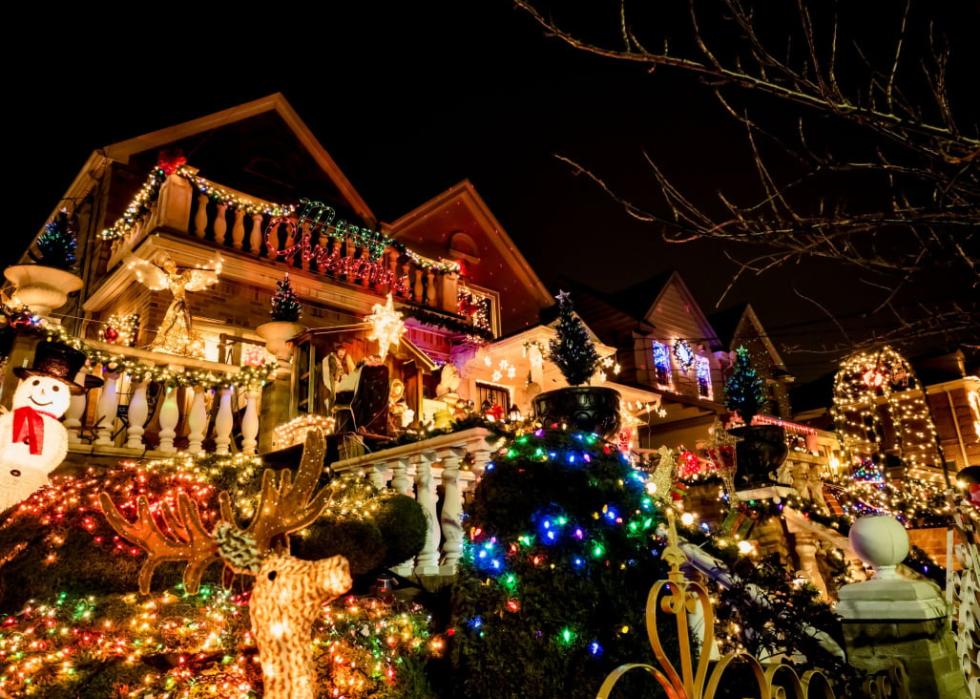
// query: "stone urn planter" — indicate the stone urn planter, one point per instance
point(42, 289)
point(760, 453)
point(585, 408)
point(277, 334)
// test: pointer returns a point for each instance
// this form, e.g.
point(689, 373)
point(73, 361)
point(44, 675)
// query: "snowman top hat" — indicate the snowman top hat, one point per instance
point(61, 362)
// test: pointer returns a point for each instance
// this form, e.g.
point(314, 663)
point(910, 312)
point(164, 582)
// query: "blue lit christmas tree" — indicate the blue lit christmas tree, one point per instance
point(562, 551)
point(57, 242)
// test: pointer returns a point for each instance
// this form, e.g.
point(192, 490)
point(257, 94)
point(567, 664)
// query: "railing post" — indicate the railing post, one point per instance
point(255, 235)
point(174, 203)
point(238, 229)
point(169, 417)
point(76, 409)
point(272, 250)
point(108, 402)
point(430, 288)
point(223, 423)
point(201, 217)
point(250, 421)
point(452, 509)
point(138, 412)
point(417, 289)
point(450, 292)
point(425, 494)
point(220, 226)
point(403, 486)
point(377, 475)
point(197, 422)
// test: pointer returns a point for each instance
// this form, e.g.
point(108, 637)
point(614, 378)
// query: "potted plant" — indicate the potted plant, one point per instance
point(587, 408)
point(285, 325)
point(763, 447)
point(45, 285)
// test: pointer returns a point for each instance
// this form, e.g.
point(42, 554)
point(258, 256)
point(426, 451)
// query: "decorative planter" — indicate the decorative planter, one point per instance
point(42, 289)
point(760, 453)
point(277, 335)
point(586, 408)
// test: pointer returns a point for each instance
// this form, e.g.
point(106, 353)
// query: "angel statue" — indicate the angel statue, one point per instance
point(175, 335)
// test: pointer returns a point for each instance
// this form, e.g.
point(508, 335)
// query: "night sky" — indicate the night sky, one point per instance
point(409, 103)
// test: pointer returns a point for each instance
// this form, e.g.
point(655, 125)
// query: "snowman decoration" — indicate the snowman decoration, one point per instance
point(33, 442)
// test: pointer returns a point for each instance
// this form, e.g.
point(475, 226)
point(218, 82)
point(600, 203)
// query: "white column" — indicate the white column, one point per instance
point(220, 224)
point(108, 402)
point(238, 229)
point(76, 409)
point(255, 235)
point(377, 474)
point(169, 417)
point(197, 421)
point(403, 486)
point(201, 217)
point(452, 510)
point(425, 494)
point(138, 412)
point(223, 423)
point(250, 421)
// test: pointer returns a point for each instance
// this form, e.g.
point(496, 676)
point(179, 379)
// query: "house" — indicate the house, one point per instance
point(252, 189)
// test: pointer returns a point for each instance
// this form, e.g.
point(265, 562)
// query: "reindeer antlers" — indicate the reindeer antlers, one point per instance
point(284, 506)
point(189, 540)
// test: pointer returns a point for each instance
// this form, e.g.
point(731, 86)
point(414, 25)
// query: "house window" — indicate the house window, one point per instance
point(492, 395)
point(661, 364)
point(704, 377)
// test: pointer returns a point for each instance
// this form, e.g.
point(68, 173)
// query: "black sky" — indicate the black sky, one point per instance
point(408, 102)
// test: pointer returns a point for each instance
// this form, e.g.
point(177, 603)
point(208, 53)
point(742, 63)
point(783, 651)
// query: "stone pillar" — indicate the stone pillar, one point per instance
point(891, 620)
point(401, 481)
point(452, 510)
point(427, 562)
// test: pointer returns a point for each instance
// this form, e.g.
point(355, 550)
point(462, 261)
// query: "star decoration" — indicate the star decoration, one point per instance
point(563, 297)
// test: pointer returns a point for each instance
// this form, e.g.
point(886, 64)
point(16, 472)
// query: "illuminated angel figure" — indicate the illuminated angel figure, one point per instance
point(175, 336)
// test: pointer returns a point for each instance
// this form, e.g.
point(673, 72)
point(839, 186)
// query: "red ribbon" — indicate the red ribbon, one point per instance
point(29, 427)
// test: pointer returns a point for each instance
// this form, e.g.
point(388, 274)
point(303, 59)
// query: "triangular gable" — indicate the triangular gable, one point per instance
point(675, 281)
point(275, 103)
point(750, 316)
point(458, 224)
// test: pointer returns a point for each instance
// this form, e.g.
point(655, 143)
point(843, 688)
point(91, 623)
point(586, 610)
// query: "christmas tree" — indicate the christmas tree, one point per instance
point(562, 550)
point(57, 242)
point(285, 305)
point(745, 391)
point(572, 351)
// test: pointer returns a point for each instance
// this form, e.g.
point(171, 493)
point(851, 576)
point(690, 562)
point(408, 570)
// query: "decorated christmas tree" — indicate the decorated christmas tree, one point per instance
point(562, 549)
point(745, 391)
point(57, 242)
point(573, 350)
point(285, 305)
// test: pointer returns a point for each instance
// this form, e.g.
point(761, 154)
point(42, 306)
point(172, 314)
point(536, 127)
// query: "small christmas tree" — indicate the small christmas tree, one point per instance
point(572, 351)
point(745, 391)
point(56, 244)
point(285, 305)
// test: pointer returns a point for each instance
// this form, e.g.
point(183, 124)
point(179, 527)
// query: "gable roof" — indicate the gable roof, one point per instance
point(640, 298)
point(650, 292)
point(726, 322)
point(275, 103)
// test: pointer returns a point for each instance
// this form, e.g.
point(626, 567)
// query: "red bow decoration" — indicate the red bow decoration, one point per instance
point(29, 427)
point(170, 162)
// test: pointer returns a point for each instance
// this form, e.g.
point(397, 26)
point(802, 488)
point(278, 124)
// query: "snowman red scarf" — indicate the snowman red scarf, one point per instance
point(29, 427)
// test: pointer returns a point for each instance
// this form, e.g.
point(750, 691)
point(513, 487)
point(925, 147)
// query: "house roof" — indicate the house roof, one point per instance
point(640, 298)
point(431, 227)
point(272, 104)
point(726, 322)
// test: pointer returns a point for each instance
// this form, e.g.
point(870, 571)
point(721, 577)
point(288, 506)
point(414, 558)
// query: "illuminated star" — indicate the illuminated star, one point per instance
point(563, 296)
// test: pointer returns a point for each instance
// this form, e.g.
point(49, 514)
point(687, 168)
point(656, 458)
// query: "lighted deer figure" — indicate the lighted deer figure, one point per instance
point(288, 592)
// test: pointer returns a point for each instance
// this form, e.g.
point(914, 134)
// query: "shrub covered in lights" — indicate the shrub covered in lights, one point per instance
point(561, 552)
point(57, 242)
point(72, 624)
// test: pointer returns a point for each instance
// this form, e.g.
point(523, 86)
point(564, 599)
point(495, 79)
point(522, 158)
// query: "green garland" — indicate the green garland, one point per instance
point(448, 323)
point(246, 377)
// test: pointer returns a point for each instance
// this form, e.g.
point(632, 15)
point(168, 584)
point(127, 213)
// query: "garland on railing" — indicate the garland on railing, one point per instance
point(319, 217)
point(247, 376)
point(448, 323)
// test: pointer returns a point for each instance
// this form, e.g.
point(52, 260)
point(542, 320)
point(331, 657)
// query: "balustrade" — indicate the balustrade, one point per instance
point(132, 415)
point(432, 471)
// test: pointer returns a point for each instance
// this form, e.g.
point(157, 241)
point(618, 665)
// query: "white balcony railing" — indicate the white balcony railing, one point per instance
point(453, 461)
point(143, 408)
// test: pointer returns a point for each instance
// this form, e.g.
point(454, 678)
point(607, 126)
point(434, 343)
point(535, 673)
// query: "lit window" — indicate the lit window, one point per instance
point(661, 364)
point(704, 377)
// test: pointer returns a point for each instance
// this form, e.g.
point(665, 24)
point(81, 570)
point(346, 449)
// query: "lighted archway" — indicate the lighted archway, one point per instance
point(880, 410)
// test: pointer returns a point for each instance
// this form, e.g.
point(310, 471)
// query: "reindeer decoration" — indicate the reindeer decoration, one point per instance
point(288, 592)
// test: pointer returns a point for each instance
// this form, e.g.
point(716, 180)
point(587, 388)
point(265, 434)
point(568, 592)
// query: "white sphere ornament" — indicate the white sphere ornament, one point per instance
point(880, 541)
